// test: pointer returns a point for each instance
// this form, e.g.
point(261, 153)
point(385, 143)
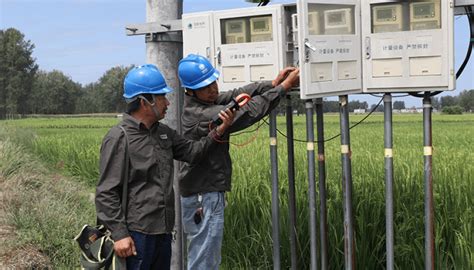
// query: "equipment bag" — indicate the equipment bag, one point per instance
point(97, 249)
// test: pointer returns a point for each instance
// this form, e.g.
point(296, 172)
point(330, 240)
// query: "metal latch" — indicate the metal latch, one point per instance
point(306, 51)
point(368, 52)
point(218, 56)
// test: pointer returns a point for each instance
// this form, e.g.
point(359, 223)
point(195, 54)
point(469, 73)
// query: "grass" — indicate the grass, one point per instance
point(73, 147)
point(45, 208)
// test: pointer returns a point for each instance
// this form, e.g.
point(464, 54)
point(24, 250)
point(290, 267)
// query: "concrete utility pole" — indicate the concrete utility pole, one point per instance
point(165, 50)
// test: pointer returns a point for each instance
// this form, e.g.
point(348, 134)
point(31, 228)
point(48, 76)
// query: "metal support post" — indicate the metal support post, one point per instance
point(311, 182)
point(388, 144)
point(291, 182)
point(323, 224)
point(165, 51)
point(275, 191)
point(349, 243)
point(428, 175)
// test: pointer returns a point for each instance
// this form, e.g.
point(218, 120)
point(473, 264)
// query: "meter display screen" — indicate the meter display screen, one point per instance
point(331, 19)
point(385, 14)
point(424, 10)
point(260, 25)
point(235, 27)
point(336, 18)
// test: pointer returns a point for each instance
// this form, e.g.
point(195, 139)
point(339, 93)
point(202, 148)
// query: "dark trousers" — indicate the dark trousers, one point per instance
point(153, 252)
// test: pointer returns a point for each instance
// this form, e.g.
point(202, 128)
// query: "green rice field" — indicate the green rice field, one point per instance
point(71, 146)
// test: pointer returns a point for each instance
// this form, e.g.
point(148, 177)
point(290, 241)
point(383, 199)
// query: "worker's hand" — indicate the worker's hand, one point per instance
point(292, 80)
point(282, 76)
point(227, 118)
point(125, 247)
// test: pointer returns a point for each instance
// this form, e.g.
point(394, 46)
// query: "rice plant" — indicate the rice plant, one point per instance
point(74, 147)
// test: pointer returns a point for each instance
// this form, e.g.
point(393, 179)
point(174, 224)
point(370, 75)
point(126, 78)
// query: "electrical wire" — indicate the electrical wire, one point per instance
point(250, 131)
point(470, 18)
point(335, 136)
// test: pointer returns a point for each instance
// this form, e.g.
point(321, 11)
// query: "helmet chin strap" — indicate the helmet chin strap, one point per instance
point(153, 107)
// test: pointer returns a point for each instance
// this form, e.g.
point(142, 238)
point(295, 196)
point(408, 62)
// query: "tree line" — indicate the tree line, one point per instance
point(26, 89)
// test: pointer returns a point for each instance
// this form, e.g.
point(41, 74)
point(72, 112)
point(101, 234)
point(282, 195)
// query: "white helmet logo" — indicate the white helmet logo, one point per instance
point(203, 68)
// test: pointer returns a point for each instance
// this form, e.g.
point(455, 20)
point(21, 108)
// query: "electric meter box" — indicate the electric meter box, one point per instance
point(408, 46)
point(329, 38)
point(246, 45)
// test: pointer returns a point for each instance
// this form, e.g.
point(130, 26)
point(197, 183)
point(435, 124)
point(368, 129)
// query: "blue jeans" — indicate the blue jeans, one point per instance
point(153, 251)
point(204, 238)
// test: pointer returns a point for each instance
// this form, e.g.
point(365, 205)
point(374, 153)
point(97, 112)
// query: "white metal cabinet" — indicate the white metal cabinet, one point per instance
point(329, 48)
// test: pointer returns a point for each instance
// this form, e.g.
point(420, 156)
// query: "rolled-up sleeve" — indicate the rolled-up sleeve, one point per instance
point(109, 190)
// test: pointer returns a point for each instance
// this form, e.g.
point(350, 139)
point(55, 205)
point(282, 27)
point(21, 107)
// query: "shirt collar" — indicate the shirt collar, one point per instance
point(135, 123)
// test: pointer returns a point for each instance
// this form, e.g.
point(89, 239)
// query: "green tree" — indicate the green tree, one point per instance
point(17, 71)
point(448, 101)
point(399, 105)
point(356, 104)
point(88, 101)
point(54, 93)
point(110, 90)
point(436, 103)
point(380, 108)
point(466, 100)
point(330, 106)
point(452, 109)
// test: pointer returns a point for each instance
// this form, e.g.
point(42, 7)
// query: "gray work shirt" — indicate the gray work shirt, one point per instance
point(150, 181)
point(213, 172)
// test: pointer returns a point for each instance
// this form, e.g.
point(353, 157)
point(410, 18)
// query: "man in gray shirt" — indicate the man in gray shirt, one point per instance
point(203, 183)
point(142, 232)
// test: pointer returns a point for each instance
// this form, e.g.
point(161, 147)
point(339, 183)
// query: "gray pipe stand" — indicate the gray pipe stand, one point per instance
point(349, 239)
point(428, 185)
point(275, 191)
point(388, 144)
point(323, 224)
point(291, 183)
point(311, 182)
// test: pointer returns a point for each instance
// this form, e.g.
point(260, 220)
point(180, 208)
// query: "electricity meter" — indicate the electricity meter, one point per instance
point(387, 18)
point(235, 31)
point(329, 48)
point(408, 46)
point(261, 29)
point(424, 15)
point(246, 45)
point(338, 21)
point(313, 23)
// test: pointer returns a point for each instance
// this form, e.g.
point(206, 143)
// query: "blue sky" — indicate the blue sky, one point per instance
point(84, 38)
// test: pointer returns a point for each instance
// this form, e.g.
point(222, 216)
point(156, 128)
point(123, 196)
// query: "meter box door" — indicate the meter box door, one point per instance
point(329, 38)
point(198, 35)
point(408, 46)
point(248, 45)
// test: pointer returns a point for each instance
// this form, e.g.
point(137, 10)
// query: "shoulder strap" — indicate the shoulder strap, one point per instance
point(125, 172)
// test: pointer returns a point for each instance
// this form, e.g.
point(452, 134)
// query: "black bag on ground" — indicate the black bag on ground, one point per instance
point(97, 249)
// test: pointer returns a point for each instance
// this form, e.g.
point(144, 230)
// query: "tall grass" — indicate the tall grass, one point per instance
point(45, 208)
point(247, 236)
point(69, 144)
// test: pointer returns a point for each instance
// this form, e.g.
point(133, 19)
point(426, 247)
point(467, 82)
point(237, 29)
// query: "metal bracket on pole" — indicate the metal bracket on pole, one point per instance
point(166, 31)
point(153, 27)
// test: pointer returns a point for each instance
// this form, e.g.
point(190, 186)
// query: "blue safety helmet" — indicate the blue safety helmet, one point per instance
point(195, 71)
point(146, 79)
